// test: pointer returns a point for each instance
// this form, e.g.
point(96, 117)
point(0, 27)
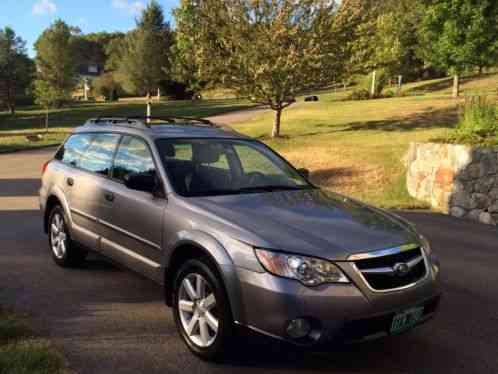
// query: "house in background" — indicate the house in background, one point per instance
point(87, 73)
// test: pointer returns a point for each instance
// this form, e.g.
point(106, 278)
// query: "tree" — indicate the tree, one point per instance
point(16, 68)
point(47, 96)
point(380, 35)
point(57, 60)
point(144, 60)
point(460, 35)
point(185, 68)
point(268, 51)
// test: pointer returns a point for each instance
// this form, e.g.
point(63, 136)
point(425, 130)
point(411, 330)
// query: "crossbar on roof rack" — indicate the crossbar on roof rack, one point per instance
point(123, 121)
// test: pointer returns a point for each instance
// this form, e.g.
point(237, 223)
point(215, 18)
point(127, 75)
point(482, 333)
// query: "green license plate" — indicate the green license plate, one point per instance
point(406, 320)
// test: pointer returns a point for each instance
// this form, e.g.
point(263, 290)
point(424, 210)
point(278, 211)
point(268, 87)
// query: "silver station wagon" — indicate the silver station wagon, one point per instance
point(235, 234)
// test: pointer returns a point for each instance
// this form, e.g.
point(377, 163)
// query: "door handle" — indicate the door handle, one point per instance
point(70, 181)
point(109, 196)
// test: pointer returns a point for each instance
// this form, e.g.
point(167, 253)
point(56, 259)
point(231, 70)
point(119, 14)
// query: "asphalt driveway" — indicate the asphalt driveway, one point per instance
point(107, 320)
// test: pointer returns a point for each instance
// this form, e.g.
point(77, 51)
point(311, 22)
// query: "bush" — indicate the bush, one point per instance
point(360, 94)
point(381, 82)
point(479, 117)
point(107, 86)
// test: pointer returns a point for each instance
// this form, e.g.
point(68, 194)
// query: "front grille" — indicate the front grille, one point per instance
point(380, 274)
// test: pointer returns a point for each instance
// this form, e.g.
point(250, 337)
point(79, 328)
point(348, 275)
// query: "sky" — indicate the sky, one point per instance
point(29, 18)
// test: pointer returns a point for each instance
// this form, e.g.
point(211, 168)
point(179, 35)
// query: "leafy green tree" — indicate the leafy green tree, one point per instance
point(144, 54)
point(460, 35)
point(57, 60)
point(184, 66)
point(16, 68)
point(47, 96)
point(268, 51)
point(380, 35)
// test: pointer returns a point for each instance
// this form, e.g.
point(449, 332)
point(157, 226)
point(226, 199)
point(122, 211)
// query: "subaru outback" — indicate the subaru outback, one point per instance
point(235, 234)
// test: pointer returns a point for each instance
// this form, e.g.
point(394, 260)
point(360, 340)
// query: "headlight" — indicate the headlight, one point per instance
point(433, 260)
point(308, 270)
point(425, 244)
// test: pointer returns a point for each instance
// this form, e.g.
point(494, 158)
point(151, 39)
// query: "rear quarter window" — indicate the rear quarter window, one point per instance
point(74, 148)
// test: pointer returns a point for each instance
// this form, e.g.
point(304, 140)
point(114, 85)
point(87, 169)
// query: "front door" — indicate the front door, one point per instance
point(131, 221)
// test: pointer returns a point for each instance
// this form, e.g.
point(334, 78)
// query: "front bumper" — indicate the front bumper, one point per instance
point(345, 312)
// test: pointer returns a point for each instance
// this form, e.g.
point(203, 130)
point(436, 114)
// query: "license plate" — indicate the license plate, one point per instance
point(406, 320)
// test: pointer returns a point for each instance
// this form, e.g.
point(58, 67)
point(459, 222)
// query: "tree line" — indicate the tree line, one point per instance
point(268, 51)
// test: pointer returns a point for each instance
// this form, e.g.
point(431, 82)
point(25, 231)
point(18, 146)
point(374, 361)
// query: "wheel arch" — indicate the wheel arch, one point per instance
point(55, 198)
point(201, 245)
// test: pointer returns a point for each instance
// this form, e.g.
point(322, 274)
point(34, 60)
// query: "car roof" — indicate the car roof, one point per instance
point(163, 129)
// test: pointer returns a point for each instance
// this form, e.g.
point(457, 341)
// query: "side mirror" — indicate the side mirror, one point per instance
point(141, 182)
point(304, 172)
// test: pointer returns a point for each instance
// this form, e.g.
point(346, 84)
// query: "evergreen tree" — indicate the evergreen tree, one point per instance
point(144, 60)
point(57, 60)
point(16, 68)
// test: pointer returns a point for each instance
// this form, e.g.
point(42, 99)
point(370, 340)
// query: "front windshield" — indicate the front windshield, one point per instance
point(206, 167)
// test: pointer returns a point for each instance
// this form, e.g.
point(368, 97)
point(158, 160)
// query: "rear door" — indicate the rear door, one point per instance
point(131, 221)
point(91, 169)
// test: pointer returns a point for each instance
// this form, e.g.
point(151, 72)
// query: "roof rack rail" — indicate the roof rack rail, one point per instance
point(174, 119)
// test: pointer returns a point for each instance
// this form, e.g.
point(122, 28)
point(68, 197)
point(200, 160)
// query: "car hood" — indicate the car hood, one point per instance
point(309, 222)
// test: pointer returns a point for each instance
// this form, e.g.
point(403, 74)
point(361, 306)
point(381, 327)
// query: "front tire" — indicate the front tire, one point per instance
point(64, 251)
point(202, 311)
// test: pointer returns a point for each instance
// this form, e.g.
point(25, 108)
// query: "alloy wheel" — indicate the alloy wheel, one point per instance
point(58, 237)
point(197, 310)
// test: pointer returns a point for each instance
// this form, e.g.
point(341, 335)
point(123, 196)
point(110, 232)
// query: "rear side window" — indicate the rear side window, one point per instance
point(74, 148)
point(133, 156)
point(98, 156)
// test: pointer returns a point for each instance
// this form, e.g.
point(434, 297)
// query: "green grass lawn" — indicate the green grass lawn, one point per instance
point(356, 147)
point(21, 353)
point(31, 119)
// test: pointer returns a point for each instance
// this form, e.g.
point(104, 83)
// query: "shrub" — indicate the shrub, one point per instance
point(478, 118)
point(360, 94)
point(107, 86)
point(381, 82)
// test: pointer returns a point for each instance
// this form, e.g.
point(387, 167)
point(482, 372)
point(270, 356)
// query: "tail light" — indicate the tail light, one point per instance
point(44, 167)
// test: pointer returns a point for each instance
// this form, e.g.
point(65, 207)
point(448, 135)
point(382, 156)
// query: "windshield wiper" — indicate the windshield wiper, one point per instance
point(253, 189)
point(272, 188)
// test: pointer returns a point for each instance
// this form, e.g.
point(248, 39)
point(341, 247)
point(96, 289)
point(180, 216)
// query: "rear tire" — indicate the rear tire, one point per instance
point(202, 311)
point(65, 253)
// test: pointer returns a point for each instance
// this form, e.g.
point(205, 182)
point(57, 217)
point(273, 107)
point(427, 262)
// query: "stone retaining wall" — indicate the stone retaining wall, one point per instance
point(455, 179)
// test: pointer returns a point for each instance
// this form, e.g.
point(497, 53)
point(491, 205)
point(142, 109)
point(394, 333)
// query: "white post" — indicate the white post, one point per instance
point(372, 90)
point(85, 89)
point(149, 107)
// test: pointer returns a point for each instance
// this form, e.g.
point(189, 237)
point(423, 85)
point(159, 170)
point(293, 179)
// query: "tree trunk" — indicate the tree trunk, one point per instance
point(276, 126)
point(400, 82)
point(158, 94)
point(12, 108)
point(372, 89)
point(456, 86)
point(46, 120)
